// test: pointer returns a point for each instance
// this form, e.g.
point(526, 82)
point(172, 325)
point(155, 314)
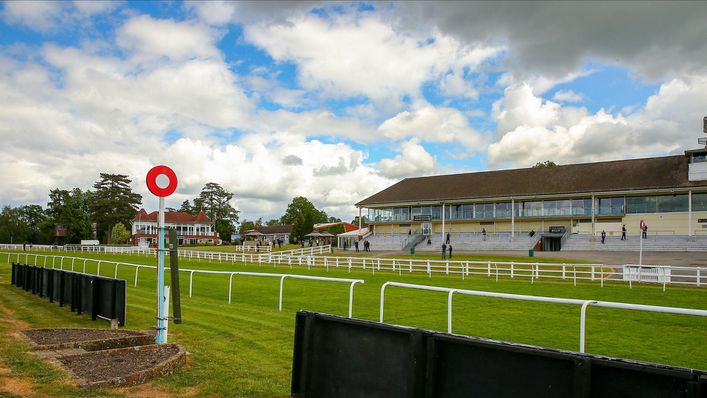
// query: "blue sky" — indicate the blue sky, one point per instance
point(336, 101)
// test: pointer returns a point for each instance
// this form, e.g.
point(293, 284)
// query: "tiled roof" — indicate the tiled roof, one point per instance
point(275, 229)
point(634, 174)
point(173, 217)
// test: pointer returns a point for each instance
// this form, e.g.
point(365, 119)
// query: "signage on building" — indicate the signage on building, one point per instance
point(422, 217)
point(557, 230)
point(702, 220)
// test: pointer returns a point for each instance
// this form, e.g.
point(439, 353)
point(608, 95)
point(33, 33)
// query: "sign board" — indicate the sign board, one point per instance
point(89, 242)
point(155, 188)
point(422, 217)
point(704, 124)
point(557, 229)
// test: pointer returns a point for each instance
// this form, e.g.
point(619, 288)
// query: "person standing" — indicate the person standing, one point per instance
point(356, 246)
point(444, 251)
point(483, 233)
point(450, 251)
point(623, 232)
point(645, 231)
point(447, 237)
point(603, 236)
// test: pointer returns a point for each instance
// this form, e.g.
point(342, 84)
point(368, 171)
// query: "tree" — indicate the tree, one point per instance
point(71, 209)
point(119, 234)
point(364, 221)
point(249, 225)
point(214, 201)
point(188, 208)
point(272, 222)
point(547, 163)
point(113, 202)
point(302, 214)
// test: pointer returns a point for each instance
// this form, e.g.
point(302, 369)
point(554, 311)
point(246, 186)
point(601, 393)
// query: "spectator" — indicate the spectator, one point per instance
point(645, 231)
point(483, 233)
point(623, 232)
point(450, 251)
point(356, 246)
point(531, 233)
point(444, 251)
point(447, 237)
point(603, 236)
point(429, 241)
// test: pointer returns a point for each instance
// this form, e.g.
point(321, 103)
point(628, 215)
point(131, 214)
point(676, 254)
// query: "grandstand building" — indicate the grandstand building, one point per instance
point(563, 207)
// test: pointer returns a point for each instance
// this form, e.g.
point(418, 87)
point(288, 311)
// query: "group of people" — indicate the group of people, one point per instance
point(644, 232)
point(366, 246)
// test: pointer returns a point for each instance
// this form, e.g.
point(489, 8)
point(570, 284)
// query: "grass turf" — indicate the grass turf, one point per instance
point(245, 348)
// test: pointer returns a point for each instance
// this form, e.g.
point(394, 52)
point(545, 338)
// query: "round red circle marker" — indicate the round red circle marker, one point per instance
point(152, 181)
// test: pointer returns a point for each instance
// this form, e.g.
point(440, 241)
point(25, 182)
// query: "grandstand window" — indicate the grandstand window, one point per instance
point(468, 212)
point(611, 206)
point(699, 201)
point(401, 214)
point(532, 209)
point(483, 210)
point(436, 212)
point(453, 212)
point(657, 204)
point(380, 215)
point(582, 207)
point(556, 208)
point(503, 210)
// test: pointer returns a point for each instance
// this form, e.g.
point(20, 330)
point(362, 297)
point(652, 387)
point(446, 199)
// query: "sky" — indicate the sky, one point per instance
point(336, 101)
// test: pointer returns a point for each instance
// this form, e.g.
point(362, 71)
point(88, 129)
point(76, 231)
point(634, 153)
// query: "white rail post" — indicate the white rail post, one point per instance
point(282, 282)
point(449, 310)
point(349, 264)
point(582, 323)
point(429, 270)
point(563, 271)
point(410, 265)
point(512, 269)
point(698, 277)
point(574, 274)
point(446, 267)
point(98, 271)
point(115, 274)
point(191, 279)
point(84, 264)
point(382, 301)
point(72, 262)
point(592, 273)
point(230, 284)
point(351, 292)
point(136, 270)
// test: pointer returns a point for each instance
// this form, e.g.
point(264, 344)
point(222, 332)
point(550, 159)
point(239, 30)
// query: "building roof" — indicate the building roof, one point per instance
point(173, 217)
point(347, 226)
point(619, 175)
point(275, 229)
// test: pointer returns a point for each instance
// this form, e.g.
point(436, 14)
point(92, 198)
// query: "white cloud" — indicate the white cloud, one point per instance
point(533, 130)
point(429, 123)
point(567, 96)
point(42, 16)
point(413, 161)
point(148, 37)
point(345, 57)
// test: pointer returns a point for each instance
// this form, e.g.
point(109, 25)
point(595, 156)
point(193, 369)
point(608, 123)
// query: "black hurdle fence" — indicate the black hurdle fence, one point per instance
point(99, 296)
point(343, 357)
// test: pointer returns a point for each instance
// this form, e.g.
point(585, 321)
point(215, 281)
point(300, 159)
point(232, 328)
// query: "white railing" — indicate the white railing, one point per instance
point(252, 248)
point(312, 257)
point(583, 303)
point(191, 272)
point(27, 246)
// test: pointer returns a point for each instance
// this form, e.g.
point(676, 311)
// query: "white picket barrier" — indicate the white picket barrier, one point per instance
point(583, 303)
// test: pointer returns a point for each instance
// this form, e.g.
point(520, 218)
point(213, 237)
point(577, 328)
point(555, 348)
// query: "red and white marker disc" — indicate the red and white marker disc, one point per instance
point(152, 181)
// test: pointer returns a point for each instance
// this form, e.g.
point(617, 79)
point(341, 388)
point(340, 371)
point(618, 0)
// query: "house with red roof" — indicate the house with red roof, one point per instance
point(191, 230)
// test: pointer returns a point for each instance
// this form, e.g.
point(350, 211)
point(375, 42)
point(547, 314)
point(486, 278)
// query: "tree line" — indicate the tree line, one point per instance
point(103, 213)
point(301, 214)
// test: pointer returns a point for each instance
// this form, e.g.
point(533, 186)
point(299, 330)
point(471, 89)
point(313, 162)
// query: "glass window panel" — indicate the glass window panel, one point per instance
point(503, 210)
point(468, 211)
point(582, 207)
point(641, 204)
point(611, 206)
point(671, 203)
point(699, 201)
point(436, 212)
point(483, 210)
point(401, 214)
point(532, 209)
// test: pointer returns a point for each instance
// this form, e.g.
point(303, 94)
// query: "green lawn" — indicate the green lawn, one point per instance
point(245, 348)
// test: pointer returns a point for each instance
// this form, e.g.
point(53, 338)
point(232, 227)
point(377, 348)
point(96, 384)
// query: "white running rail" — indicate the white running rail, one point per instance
point(583, 303)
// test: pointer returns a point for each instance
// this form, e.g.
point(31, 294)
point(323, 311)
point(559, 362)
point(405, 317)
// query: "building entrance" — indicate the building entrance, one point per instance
point(426, 228)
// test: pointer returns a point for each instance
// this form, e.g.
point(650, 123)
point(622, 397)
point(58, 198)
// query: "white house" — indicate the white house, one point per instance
point(191, 229)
